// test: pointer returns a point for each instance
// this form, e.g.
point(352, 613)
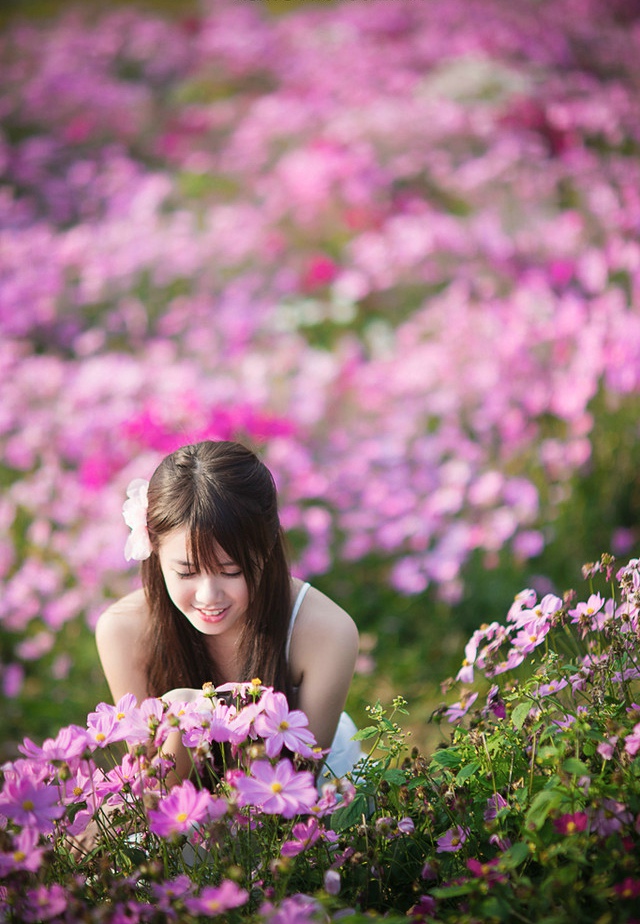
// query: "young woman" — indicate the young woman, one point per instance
point(218, 603)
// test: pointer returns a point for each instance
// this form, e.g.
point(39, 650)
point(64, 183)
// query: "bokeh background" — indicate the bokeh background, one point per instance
point(393, 243)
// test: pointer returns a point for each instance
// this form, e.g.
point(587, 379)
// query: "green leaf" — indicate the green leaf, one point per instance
point(394, 775)
point(363, 733)
point(544, 802)
point(447, 758)
point(520, 713)
point(351, 814)
point(515, 855)
point(467, 771)
point(576, 767)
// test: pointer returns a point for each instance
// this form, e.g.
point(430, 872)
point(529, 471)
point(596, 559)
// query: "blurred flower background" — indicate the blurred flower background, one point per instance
point(395, 245)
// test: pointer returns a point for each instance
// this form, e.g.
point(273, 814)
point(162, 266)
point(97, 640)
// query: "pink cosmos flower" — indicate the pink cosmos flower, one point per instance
point(460, 709)
point(279, 790)
point(632, 741)
point(165, 893)
point(452, 840)
point(571, 823)
point(69, 743)
point(548, 689)
point(530, 636)
point(282, 727)
point(215, 900)
point(180, 811)
point(25, 854)
point(44, 903)
point(29, 804)
point(305, 834)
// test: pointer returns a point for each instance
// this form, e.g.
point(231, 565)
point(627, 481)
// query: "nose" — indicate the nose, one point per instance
point(209, 590)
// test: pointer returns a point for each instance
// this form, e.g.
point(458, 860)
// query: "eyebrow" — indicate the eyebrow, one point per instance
point(188, 564)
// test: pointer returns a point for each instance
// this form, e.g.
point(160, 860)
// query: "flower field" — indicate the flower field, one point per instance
point(395, 245)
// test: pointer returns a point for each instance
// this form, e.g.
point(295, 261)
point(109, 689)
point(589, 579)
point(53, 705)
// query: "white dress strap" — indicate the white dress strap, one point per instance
point(294, 613)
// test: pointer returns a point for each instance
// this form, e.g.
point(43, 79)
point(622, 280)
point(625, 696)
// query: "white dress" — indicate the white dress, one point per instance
point(344, 752)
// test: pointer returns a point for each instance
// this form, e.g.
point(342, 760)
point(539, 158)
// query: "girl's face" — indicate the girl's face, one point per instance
point(214, 603)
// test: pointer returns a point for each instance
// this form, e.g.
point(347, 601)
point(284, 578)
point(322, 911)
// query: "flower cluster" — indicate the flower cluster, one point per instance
point(530, 812)
point(410, 275)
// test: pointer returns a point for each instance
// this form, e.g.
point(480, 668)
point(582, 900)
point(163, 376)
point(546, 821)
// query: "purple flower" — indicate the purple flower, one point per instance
point(452, 840)
point(495, 803)
point(279, 790)
point(332, 882)
point(180, 811)
point(460, 709)
point(215, 900)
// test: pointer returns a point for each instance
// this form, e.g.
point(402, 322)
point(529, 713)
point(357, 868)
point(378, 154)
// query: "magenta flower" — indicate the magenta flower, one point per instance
point(279, 790)
point(215, 900)
point(180, 811)
point(571, 823)
point(30, 804)
point(452, 840)
point(305, 834)
point(166, 893)
point(282, 727)
point(628, 888)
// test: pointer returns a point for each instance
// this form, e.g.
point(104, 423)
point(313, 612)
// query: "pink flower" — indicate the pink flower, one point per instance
point(452, 840)
point(283, 728)
point(69, 743)
point(305, 834)
point(460, 709)
point(279, 790)
point(180, 811)
point(30, 804)
point(632, 741)
point(572, 823)
point(215, 900)
point(24, 855)
point(548, 689)
point(44, 903)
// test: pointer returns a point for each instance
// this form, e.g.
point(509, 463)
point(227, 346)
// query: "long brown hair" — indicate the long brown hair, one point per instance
point(225, 498)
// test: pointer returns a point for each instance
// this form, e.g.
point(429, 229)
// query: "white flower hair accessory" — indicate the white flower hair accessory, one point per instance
point(134, 511)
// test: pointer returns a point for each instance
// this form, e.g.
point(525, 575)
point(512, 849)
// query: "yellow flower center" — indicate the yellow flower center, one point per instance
point(100, 736)
point(27, 805)
point(571, 827)
point(77, 790)
point(19, 856)
point(283, 726)
point(120, 715)
point(181, 817)
point(276, 787)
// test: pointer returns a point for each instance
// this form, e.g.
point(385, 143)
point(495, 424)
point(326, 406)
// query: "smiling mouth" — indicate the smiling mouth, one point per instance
point(212, 614)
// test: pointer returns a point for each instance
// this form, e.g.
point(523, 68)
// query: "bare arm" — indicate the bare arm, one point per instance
point(324, 647)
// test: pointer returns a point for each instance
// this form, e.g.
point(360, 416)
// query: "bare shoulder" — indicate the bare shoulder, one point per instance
point(321, 620)
point(125, 620)
point(121, 642)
